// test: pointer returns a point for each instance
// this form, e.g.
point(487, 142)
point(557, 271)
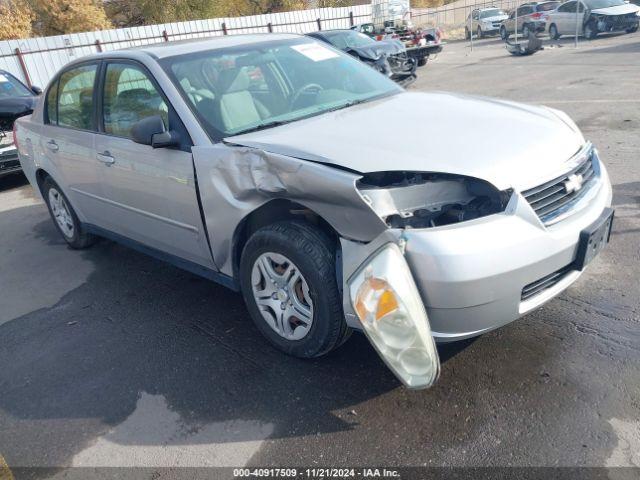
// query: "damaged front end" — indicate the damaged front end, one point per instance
point(370, 213)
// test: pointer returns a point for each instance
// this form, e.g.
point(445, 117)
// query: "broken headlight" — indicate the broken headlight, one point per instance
point(388, 305)
point(422, 200)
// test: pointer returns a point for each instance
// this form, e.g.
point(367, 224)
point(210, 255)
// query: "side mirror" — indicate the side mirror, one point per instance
point(151, 131)
point(36, 90)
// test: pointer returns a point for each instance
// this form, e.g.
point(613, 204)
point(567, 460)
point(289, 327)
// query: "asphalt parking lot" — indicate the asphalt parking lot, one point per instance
point(111, 358)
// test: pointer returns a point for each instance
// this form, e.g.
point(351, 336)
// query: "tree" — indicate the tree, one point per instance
point(57, 17)
point(16, 20)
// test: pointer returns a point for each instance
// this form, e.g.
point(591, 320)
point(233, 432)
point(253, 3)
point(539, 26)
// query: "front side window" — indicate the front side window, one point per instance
point(75, 97)
point(298, 78)
point(129, 96)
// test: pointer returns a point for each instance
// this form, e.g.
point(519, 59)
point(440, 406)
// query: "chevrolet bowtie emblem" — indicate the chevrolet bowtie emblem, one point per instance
point(573, 183)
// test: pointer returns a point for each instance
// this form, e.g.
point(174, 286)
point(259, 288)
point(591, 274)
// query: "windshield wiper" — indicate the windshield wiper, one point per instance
point(263, 126)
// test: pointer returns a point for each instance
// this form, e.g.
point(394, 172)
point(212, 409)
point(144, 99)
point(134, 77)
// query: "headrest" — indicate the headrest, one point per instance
point(134, 94)
point(233, 80)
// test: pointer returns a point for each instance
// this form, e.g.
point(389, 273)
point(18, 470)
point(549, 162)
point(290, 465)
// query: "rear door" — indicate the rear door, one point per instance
point(68, 140)
point(151, 192)
point(565, 18)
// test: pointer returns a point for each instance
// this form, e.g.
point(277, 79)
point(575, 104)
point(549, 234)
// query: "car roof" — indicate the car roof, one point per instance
point(192, 45)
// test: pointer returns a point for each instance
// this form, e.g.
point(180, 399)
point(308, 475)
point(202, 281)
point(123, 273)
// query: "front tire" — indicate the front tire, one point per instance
point(288, 281)
point(632, 29)
point(503, 33)
point(590, 31)
point(64, 217)
point(422, 61)
point(479, 32)
point(525, 31)
point(553, 32)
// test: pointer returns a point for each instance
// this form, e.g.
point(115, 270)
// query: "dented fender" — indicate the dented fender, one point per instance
point(233, 181)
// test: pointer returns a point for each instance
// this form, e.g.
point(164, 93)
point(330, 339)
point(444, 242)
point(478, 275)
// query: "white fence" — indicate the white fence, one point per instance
point(36, 60)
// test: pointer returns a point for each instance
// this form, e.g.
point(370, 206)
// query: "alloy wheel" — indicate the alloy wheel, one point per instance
point(61, 212)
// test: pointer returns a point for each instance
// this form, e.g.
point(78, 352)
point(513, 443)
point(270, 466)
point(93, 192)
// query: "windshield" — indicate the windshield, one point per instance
point(11, 87)
point(595, 4)
point(494, 12)
point(349, 39)
point(260, 85)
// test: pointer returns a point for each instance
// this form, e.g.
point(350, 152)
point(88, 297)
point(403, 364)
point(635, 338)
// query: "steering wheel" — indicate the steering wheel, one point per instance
point(302, 90)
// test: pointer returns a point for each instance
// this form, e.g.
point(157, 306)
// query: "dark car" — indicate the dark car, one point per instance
point(532, 17)
point(387, 56)
point(16, 100)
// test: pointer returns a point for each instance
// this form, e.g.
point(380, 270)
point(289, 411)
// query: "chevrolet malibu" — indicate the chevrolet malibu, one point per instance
point(260, 162)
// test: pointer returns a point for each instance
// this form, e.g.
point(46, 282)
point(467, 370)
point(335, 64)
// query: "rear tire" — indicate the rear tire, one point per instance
point(467, 34)
point(268, 290)
point(422, 61)
point(632, 29)
point(503, 33)
point(525, 31)
point(553, 32)
point(64, 217)
point(479, 32)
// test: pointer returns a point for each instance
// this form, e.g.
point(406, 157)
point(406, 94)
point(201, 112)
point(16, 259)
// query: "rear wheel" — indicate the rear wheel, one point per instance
point(553, 32)
point(479, 32)
point(422, 61)
point(526, 31)
point(288, 280)
point(503, 33)
point(632, 29)
point(64, 217)
point(467, 34)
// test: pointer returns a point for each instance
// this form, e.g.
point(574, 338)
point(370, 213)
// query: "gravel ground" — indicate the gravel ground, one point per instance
point(111, 358)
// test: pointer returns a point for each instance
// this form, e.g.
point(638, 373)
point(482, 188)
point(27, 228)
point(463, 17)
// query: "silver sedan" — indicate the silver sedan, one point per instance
point(330, 197)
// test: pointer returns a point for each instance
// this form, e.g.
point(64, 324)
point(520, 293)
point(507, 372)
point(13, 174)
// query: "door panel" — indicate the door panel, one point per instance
point(68, 141)
point(151, 193)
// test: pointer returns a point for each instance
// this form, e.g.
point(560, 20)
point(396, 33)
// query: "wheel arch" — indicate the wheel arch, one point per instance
point(271, 212)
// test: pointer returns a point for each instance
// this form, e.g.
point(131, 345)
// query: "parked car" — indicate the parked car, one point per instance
point(593, 17)
point(389, 57)
point(282, 168)
point(419, 42)
point(16, 99)
point(484, 21)
point(532, 17)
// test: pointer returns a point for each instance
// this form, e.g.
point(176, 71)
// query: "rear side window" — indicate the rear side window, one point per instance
point(52, 99)
point(75, 97)
point(129, 96)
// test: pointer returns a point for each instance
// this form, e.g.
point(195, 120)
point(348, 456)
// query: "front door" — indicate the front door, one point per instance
point(151, 192)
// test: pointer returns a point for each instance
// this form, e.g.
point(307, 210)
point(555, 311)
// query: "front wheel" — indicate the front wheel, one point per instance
point(526, 31)
point(480, 35)
point(64, 217)
point(467, 34)
point(632, 29)
point(422, 61)
point(288, 281)
point(590, 31)
point(553, 32)
point(503, 33)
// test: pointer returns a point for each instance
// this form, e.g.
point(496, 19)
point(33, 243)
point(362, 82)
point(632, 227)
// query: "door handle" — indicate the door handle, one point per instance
point(106, 158)
point(53, 146)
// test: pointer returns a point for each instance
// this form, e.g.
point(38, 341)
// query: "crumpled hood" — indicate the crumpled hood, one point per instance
point(617, 10)
point(505, 143)
point(378, 49)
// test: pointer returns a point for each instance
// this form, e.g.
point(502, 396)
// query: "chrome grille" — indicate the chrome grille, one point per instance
point(553, 196)
point(544, 283)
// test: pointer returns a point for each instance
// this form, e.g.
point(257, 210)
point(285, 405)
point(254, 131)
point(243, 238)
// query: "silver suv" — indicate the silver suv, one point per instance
point(260, 162)
point(484, 21)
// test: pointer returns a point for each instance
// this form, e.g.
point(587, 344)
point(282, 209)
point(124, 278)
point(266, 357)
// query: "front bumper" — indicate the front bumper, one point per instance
point(471, 276)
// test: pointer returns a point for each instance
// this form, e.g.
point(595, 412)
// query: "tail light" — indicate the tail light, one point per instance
point(379, 37)
point(537, 15)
